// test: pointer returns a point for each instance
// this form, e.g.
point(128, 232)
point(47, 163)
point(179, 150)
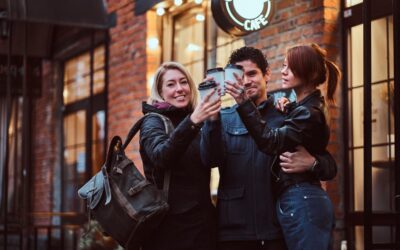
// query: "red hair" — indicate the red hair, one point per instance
point(309, 64)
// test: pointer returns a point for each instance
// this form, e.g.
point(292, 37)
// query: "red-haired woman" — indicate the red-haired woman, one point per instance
point(304, 209)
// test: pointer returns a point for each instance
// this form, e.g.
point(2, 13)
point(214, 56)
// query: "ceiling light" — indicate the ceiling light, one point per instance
point(160, 11)
point(193, 47)
point(200, 17)
point(198, 1)
point(152, 43)
point(178, 2)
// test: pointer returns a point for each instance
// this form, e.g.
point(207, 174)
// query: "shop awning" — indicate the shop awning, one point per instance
point(142, 6)
point(78, 13)
point(40, 19)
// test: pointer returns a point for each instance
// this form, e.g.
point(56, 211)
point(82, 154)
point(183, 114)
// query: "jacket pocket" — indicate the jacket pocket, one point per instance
point(231, 207)
point(238, 144)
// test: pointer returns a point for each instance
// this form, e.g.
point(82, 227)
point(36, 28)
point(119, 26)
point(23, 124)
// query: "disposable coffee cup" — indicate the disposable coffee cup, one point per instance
point(218, 75)
point(233, 68)
point(206, 87)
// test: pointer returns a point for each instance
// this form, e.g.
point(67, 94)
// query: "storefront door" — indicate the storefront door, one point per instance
point(371, 124)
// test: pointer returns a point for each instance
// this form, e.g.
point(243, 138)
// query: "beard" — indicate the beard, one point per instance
point(256, 96)
point(253, 95)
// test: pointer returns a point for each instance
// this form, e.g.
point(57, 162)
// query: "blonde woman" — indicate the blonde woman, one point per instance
point(190, 223)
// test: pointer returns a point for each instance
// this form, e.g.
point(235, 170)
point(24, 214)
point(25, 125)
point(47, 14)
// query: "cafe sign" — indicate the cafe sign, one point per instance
point(242, 17)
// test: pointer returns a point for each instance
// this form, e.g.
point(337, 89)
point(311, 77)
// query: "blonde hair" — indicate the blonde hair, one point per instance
point(155, 95)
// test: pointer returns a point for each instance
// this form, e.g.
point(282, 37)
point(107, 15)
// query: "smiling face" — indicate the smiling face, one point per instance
point(289, 80)
point(175, 88)
point(255, 82)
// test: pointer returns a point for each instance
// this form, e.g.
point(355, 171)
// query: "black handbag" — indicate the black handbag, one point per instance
point(126, 205)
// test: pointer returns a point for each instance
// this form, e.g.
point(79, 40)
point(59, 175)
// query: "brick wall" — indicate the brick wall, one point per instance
point(305, 21)
point(127, 72)
point(44, 144)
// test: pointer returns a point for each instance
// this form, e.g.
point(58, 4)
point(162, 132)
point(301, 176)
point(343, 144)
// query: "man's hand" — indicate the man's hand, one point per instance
point(297, 162)
point(236, 89)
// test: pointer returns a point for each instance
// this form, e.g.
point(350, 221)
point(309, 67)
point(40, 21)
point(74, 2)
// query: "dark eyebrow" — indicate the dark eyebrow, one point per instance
point(251, 72)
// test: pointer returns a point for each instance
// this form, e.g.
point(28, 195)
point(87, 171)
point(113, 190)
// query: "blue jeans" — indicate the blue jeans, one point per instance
point(306, 216)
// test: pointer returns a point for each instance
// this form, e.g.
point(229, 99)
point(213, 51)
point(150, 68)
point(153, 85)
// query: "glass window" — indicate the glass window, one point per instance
point(74, 157)
point(356, 56)
point(77, 76)
point(84, 125)
point(359, 237)
point(391, 53)
point(383, 235)
point(189, 41)
point(382, 114)
point(379, 50)
point(98, 138)
point(350, 3)
point(383, 188)
point(358, 181)
point(357, 116)
point(382, 121)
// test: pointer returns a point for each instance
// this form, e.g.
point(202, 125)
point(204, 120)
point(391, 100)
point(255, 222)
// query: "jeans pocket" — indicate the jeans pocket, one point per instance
point(319, 210)
point(286, 207)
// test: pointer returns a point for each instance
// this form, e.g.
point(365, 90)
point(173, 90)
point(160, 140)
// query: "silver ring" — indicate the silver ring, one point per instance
point(241, 90)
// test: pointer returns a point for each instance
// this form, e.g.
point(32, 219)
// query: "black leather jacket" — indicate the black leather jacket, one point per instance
point(246, 204)
point(304, 125)
point(191, 220)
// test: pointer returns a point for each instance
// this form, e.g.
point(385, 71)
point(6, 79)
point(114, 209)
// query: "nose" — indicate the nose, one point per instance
point(179, 87)
point(246, 81)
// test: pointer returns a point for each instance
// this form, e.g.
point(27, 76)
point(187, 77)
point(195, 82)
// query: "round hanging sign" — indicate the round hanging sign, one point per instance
point(242, 17)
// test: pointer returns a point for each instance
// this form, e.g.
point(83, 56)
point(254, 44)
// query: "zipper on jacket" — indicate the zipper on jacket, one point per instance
point(276, 175)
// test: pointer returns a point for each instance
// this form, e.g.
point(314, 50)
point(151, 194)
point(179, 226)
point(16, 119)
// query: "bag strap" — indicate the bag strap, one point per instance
point(168, 129)
point(136, 127)
point(114, 147)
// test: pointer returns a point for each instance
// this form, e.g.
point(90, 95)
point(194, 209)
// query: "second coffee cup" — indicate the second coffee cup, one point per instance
point(206, 87)
point(218, 75)
point(233, 68)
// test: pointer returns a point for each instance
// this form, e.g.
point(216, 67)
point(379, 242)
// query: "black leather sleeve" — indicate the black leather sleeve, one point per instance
point(164, 150)
point(211, 145)
point(326, 169)
point(296, 129)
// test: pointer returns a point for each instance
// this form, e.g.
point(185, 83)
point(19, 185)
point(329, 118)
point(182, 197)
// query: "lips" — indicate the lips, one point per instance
point(180, 98)
point(251, 88)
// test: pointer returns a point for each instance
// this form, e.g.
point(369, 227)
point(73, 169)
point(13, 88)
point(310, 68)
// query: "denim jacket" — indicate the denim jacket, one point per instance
point(245, 202)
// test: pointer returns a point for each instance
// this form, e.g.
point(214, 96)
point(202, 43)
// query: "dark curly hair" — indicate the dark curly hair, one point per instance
point(252, 54)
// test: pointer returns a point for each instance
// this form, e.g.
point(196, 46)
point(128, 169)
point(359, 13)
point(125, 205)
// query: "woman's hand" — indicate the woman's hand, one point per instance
point(281, 104)
point(206, 109)
point(236, 89)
